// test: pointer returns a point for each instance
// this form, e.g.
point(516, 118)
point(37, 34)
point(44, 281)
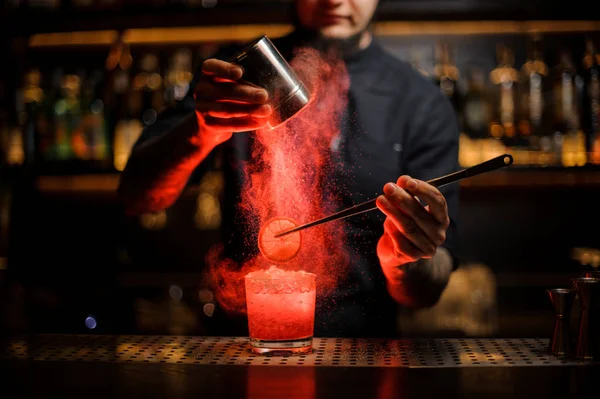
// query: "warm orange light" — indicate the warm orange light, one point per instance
point(203, 34)
point(247, 32)
point(105, 37)
point(82, 183)
point(420, 28)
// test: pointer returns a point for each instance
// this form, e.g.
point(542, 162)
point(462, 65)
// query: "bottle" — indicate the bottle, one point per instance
point(127, 122)
point(504, 77)
point(12, 135)
point(4, 137)
point(566, 114)
point(55, 94)
point(478, 108)
point(118, 71)
point(178, 76)
point(93, 122)
point(14, 141)
point(67, 117)
point(568, 90)
point(591, 101)
point(446, 76)
point(534, 118)
point(476, 118)
point(32, 97)
point(44, 122)
point(148, 84)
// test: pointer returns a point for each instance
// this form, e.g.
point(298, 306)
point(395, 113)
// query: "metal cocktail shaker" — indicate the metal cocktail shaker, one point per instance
point(265, 67)
point(588, 342)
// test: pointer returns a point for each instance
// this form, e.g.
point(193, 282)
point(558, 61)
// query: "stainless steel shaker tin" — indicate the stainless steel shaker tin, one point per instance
point(265, 67)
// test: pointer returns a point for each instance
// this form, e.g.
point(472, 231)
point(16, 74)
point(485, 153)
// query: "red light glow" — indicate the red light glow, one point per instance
point(285, 178)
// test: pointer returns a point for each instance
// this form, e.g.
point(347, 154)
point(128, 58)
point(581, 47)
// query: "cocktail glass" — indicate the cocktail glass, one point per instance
point(281, 310)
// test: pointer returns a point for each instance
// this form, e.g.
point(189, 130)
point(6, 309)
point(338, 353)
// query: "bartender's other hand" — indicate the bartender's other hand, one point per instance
point(411, 231)
point(225, 104)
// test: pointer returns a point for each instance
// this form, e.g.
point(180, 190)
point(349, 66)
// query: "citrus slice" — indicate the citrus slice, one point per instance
point(280, 249)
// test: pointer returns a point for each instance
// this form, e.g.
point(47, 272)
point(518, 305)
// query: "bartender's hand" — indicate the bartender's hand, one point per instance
point(225, 105)
point(411, 231)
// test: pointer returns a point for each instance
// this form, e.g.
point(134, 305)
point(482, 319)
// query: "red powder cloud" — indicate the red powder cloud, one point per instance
point(286, 177)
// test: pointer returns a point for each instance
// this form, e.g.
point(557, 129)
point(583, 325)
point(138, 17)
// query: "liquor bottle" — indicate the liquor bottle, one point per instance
point(44, 125)
point(4, 137)
point(118, 71)
point(67, 117)
point(15, 140)
point(12, 135)
point(568, 91)
point(446, 75)
point(147, 85)
point(566, 112)
point(32, 96)
point(93, 122)
point(591, 103)
point(127, 123)
point(477, 106)
point(178, 76)
point(534, 89)
point(504, 77)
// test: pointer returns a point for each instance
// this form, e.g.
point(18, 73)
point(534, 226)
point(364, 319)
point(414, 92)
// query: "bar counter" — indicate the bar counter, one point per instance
point(129, 366)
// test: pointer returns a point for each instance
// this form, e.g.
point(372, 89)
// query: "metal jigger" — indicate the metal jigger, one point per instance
point(588, 291)
point(562, 300)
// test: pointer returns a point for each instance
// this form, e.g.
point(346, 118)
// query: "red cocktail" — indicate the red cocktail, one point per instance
point(281, 310)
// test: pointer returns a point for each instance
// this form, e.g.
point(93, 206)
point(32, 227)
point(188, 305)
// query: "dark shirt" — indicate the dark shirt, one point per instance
point(396, 122)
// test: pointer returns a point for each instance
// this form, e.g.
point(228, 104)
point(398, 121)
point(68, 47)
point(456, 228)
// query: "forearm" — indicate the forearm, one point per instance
point(158, 170)
point(420, 284)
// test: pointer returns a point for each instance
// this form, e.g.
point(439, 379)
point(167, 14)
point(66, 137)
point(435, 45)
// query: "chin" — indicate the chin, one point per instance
point(337, 32)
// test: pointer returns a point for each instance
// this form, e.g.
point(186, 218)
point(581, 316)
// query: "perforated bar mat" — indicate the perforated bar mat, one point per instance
point(412, 353)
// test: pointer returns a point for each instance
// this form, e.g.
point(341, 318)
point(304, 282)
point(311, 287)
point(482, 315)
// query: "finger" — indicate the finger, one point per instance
point(230, 91)
point(407, 226)
point(410, 206)
point(403, 247)
point(222, 69)
point(234, 124)
point(428, 194)
point(233, 110)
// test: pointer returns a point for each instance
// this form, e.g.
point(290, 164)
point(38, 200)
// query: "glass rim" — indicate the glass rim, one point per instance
point(309, 275)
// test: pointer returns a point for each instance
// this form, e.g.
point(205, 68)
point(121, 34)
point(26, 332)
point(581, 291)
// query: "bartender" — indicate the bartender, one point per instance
point(403, 125)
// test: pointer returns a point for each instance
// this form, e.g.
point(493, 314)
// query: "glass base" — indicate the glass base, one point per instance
point(279, 347)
